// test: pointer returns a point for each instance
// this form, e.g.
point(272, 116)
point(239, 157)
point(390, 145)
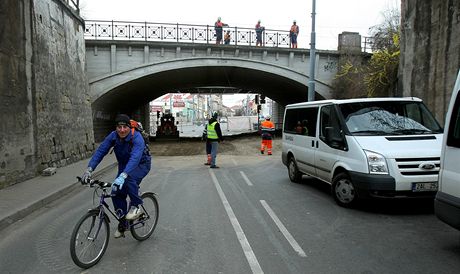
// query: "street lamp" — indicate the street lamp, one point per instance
point(311, 81)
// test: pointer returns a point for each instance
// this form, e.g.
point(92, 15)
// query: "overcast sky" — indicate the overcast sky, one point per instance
point(332, 16)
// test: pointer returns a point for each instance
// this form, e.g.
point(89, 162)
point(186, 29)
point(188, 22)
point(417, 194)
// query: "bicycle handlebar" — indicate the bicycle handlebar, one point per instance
point(92, 182)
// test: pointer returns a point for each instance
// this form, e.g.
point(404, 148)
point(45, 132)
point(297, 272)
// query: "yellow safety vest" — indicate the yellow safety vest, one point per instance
point(212, 134)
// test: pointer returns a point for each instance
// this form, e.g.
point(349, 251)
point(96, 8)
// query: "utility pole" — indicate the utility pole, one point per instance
point(311, 81)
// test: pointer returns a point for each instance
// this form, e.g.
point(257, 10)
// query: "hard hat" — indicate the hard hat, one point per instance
point(295, 21)
point(268, 117)
point(258, 20)
point(218, 18)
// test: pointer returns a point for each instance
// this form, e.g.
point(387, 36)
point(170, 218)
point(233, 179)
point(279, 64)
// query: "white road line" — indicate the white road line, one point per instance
point(283, 230)
point(234, 162)
point(250, 256)
point(246, 178)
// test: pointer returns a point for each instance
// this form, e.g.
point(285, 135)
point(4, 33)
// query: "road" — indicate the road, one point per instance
point(244, 217)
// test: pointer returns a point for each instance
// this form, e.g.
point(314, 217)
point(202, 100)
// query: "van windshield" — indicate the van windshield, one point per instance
point(389, 118)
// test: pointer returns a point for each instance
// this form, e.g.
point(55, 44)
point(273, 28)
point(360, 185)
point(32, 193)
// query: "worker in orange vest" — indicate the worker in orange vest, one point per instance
point(267, 129)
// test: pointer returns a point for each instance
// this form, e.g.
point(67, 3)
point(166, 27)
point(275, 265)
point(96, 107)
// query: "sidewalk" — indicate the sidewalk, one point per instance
point(19, 200)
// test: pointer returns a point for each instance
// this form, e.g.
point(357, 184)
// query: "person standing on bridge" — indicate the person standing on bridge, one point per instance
point(218, 27)
point(293, 33)
point(259, 31)
point(134, 162)
point(214, 136)
point(227, 38)
point(267, 129)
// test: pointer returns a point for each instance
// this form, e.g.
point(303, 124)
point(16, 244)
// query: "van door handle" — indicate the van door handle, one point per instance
point(312, 143)
point(317, 144)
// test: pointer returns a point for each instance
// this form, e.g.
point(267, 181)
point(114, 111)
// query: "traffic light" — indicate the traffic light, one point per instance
point(257, 99)
point(262, 99)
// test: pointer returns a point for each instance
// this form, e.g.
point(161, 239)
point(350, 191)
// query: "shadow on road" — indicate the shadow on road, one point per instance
point(408, 206)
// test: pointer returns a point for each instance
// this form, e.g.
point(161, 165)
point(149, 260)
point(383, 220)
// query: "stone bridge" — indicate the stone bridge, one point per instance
point(130, 64)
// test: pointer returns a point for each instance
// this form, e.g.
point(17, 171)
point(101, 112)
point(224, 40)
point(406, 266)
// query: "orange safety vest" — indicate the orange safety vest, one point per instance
point(267, 125)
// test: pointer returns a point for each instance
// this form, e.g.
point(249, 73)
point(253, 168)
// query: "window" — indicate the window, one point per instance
point(301, 121)
point(329, 118)
point(453, 136)
point(389, 117)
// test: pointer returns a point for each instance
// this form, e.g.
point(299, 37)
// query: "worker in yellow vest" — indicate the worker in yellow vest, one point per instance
point(267, 129)
point(214, 137)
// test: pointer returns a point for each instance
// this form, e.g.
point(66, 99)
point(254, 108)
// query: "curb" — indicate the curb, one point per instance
point(20, 214)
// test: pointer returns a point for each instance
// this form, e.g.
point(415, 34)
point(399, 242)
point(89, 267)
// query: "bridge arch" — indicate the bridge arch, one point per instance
point(140, 84)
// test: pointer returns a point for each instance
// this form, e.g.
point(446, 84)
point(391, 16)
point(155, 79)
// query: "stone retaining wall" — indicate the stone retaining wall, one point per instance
point(430, 51)
point(45, 107)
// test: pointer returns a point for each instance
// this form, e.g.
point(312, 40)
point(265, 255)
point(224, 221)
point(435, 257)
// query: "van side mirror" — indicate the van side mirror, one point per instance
point(333, 139)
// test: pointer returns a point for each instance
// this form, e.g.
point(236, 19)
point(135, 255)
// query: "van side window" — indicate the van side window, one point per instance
point(453, 136)
point(329, 119)
point(301, 121)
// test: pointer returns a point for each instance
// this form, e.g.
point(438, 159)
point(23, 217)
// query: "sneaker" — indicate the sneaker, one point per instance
point(269, 154)
point(261, 152)
point(120, 232)
point(214, 166)
point(134, 213)
point(207, 164)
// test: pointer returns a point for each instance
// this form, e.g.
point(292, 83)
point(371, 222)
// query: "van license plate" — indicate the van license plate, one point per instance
point(431, 186)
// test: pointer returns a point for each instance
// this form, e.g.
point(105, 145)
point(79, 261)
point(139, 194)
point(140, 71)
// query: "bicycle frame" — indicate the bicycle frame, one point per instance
point(103, 205)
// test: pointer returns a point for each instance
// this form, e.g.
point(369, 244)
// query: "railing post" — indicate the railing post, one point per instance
point(145, 31)
point(207, 34)
point(236, 36)
point(113, 38)
point(193, 34)
point(177, 31)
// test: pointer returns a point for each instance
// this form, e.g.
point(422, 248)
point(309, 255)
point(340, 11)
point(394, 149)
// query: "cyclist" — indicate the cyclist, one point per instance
point(134, 162)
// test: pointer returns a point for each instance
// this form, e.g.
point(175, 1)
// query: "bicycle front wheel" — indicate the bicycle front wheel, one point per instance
point(142, 228)
point(90, 239)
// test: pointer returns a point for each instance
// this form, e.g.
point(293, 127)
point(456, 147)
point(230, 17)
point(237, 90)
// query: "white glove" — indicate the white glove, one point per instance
point(87, 175)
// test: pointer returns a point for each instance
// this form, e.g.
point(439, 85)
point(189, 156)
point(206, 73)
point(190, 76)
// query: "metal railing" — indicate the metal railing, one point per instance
point(166, 32)
point(367, 44)
point(74, 4)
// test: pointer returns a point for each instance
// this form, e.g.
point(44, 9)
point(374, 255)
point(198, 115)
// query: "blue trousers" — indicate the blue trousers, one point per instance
point(214, 146)
point(130, 188)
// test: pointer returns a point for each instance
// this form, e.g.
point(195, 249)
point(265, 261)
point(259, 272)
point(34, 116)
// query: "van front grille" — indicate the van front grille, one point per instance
point(418, 166)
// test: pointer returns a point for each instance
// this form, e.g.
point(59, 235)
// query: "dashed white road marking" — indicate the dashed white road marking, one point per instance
point(234, 162)
point(250, 256)
point(246, 179)
point(283, 230)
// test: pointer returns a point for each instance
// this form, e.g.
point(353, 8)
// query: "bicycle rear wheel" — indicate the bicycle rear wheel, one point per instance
point(89, 239)
point(142, 228)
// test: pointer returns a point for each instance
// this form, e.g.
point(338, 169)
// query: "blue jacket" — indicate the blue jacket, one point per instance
point(130, 152)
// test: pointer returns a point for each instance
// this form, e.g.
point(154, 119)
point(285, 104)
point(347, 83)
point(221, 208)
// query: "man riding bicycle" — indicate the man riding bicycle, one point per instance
point(134, 162)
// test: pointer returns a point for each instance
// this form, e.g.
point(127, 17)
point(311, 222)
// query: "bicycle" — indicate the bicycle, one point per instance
point(91, 234)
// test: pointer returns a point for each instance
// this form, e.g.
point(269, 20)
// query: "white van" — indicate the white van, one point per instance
point(369, 147)
point(447, 202)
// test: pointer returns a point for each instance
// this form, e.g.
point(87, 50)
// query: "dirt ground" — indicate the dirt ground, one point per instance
point(232, 145)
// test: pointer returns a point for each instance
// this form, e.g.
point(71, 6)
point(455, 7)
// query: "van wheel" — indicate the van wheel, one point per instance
point(294, 174)
point(343, 190)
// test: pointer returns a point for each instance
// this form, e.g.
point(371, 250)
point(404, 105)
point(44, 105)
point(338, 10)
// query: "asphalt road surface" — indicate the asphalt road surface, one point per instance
point(245, 217)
